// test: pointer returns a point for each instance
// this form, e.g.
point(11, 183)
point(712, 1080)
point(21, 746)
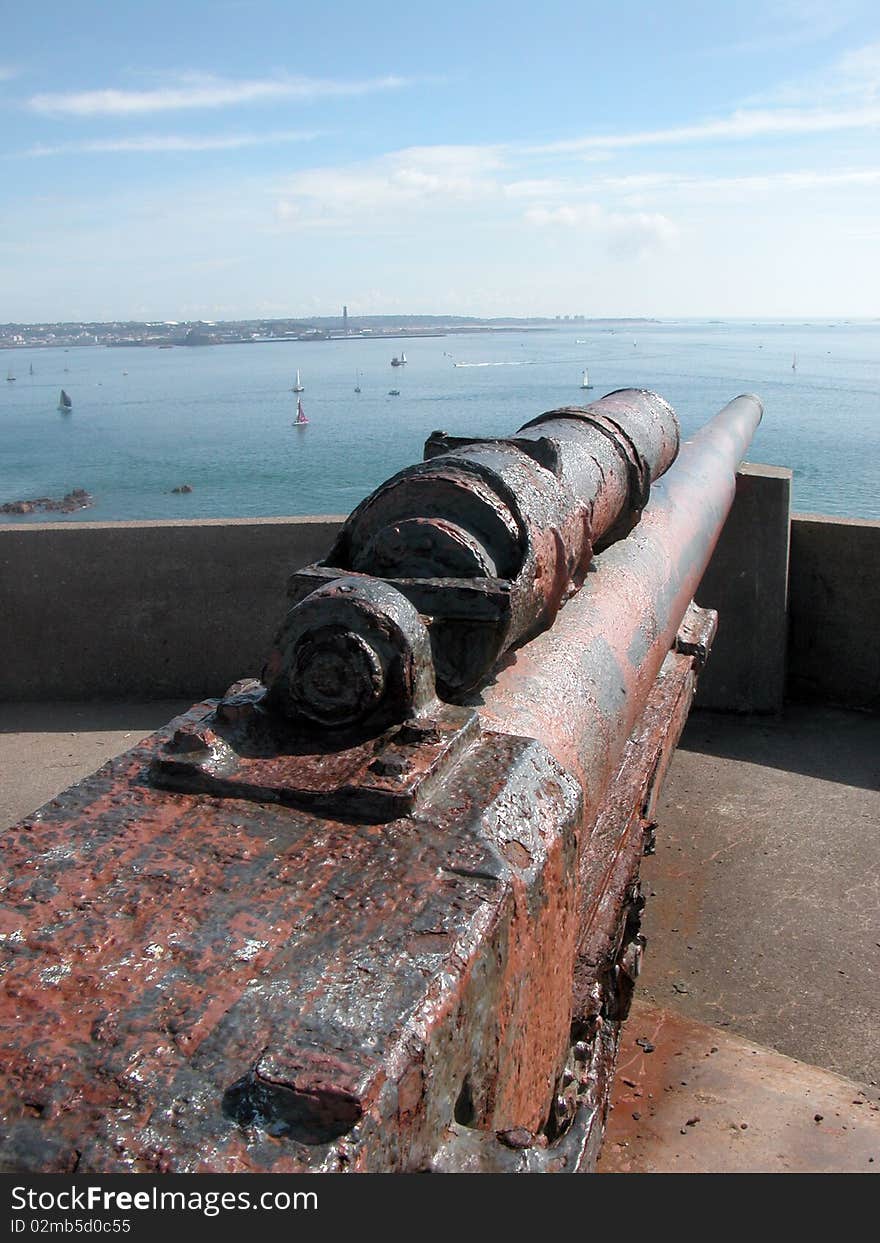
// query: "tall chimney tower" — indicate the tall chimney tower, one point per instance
point(345, 320)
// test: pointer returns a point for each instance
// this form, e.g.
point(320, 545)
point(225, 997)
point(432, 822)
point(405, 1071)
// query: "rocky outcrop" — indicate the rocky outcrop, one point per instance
point(77, 499)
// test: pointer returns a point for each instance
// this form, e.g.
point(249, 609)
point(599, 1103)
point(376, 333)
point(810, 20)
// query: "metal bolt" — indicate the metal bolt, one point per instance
point(192, 738)
point(336, 677)
point(389, 765)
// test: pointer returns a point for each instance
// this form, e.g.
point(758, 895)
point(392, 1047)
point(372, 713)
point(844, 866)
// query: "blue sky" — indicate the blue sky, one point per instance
point(232, 158)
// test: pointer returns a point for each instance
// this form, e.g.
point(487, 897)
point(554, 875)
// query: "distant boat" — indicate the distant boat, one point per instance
point(298, 387)
point(585, 382)
point(300, 420)
point(10, 378)
point(31, 369)
point(166, 347)
point(399, 362)
point(394, 392)
point(794, 363)
point(64, 402)
point(357, 383)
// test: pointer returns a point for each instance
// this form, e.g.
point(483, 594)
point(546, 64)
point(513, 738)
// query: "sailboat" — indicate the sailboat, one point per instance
point(300, 420)
point(357, 382)
point(298, 387)
point(585, 382)
point(794, 362)
point(10, 378)
point(64, 402)
point(399, 362)
point(31, 369)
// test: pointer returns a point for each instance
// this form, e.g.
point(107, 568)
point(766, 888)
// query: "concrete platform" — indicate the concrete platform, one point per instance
point(691, 1099)
point(763, 899)
point(763, 924)
point(44, 748)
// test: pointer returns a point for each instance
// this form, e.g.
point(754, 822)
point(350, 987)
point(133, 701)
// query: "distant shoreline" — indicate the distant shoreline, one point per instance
point(151, 334)
point(196, 333)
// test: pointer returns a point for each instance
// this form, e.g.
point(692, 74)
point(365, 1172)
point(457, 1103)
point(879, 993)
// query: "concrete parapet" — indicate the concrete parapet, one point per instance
point(834, 656)
point(153, 610)
point(746, 581)
point(150, 610)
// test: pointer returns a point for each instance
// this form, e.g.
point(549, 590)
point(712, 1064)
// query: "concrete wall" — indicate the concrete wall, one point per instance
point(834, 593)
point(182, 609)
point(747, 582)
point(150, 610)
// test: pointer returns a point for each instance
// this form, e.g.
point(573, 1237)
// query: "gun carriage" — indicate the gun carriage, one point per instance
point(379, 910)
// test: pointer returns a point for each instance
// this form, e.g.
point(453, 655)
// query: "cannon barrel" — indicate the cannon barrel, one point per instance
point(579, 686)
point(488, 538)
point(339, 921)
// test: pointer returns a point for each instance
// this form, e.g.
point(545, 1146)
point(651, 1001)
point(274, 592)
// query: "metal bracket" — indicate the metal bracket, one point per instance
point(695, 634)
point(243, 750)
point(466, 618)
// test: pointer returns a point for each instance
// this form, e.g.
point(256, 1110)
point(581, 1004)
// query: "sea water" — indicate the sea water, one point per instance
point(220, 418)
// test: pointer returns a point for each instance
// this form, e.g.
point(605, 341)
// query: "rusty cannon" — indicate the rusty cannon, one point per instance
point(379, 910)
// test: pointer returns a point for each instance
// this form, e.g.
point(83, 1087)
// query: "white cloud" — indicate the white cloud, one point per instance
point(454, 157)
point(203, 91)
point(412, 178)
point(568, 215)
point(854, 73)
point(640, 233)
point(380, 194)
point(174, 142)
point(536, 188)
point(626, 235)
point(646, 187)
point(792, 23)
point(853, 78)
point(845, 95)
point(742, 124)
point(858, 72)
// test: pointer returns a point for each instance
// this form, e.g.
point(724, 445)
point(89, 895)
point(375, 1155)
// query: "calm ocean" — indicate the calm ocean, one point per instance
point(219, 418)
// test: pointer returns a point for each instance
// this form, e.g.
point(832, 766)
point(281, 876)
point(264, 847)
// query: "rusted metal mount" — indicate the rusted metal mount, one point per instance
point(466, 619)
point(354, 656)
point(241, 749)
point(204, 984)
point(348, 723)
point(611, 943)
point(488, 538)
